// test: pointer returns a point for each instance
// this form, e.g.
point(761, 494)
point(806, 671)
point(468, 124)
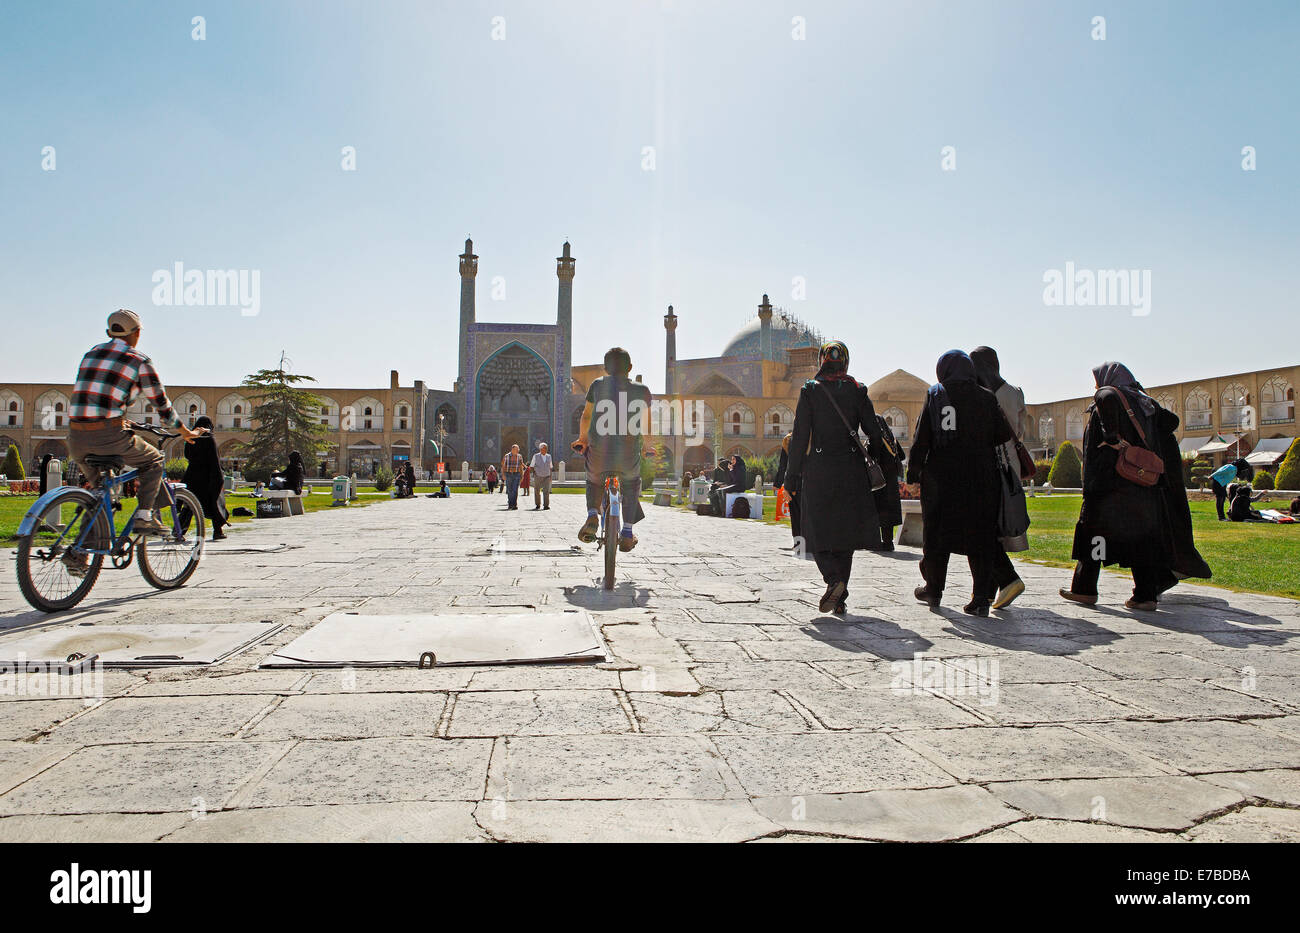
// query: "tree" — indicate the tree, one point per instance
point(286, 420)
point(1288, 474)
point(1067, 468)
point(13, 465)
point(1200, 472)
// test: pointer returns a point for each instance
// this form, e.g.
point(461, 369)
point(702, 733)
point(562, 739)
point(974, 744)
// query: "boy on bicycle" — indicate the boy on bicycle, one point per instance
point(611, 442)
point(109, 378)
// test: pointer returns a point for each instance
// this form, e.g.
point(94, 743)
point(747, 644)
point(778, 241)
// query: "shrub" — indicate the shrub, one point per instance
point(383, 479)
point(1067, 468)
point(176, 467)
point(1041, 470)
point(13, 465)
point(1263, 480)
point(1288, 474)
point(256, 474)
point(1199, 473)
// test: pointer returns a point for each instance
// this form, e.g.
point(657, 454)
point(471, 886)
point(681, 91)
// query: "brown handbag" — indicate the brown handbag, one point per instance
point(1135, 464)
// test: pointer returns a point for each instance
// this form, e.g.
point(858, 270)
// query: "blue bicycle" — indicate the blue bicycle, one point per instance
point(64, 538)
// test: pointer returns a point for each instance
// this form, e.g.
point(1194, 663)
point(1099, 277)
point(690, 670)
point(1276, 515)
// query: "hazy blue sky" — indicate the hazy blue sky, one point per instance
point(775, 158)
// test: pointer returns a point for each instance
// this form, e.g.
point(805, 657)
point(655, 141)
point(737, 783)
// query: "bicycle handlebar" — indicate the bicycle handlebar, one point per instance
point(151, 429)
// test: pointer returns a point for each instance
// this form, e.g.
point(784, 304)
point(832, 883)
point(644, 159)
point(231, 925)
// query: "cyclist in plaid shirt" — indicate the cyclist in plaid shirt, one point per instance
point(109, 379)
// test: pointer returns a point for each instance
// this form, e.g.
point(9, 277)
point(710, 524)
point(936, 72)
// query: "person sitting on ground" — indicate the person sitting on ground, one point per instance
point(1240, 510)
point(1295, 506)
point(292, 475)
point(443, 491)
point(622, 403)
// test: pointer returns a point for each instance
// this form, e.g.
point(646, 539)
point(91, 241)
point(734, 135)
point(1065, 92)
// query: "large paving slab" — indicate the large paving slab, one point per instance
point(730, 709)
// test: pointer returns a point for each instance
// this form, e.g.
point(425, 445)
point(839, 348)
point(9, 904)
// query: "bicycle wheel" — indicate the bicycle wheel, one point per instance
point(167, 561)
point(44, 555)
point(611, 543)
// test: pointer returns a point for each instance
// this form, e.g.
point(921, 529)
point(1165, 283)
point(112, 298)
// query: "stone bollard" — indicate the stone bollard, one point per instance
point(559, 472)
point(53, 480)
point(352, 488)
point(464, 471)
point(758, 483)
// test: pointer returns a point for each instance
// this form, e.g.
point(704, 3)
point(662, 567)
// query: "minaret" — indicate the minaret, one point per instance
point(468, 273)
point(670, 352)
point(765, 329)
point(564, 269)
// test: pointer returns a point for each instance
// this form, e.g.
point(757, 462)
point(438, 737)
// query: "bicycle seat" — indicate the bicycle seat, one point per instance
point(104, 461)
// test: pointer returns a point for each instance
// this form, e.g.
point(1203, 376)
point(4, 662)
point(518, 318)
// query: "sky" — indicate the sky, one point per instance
point(798, 150)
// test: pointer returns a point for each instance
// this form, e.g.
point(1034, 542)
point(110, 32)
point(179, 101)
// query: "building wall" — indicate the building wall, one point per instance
point(42, 426)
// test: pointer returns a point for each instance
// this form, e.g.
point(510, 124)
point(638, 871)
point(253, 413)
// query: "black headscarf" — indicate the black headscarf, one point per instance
point(987, 368)
point(1118, 376)
point(954, 367)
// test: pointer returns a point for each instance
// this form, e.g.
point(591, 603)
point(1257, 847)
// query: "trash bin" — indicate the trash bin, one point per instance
point(339, 490)
point(699, 491)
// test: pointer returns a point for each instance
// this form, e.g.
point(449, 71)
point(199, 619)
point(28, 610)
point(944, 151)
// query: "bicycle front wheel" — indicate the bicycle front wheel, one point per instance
point(167, 561)
point(612, 530)
point(53, 573)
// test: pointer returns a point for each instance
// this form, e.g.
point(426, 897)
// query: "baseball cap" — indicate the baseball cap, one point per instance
point(123, 322)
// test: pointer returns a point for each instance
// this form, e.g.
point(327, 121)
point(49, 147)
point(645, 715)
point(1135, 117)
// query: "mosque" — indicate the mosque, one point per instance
point(517, 384)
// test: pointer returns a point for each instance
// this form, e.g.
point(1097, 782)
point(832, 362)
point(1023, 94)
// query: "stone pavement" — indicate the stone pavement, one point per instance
point(733, 711)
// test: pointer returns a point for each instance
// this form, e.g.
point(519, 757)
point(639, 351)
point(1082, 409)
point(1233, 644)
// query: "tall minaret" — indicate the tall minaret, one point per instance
point(564, 268)
point(765, 329)
point(468, 272)
point(670, 352)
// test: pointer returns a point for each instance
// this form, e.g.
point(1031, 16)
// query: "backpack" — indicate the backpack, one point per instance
point(740, 508)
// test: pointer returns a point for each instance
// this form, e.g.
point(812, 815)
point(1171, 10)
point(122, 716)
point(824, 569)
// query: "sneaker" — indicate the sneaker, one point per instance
point(76, 564)
point(833, 595)
point(587, 533)
point(1081, 598)
point(149, 526)
point(1146, 605)
point(923, 594)
point(626, 542)
point(1007, 595)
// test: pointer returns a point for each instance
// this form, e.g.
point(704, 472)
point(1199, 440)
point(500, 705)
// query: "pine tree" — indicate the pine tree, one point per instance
point(13, 465)
point(286, 420)
point(1288, 474)
point(1067, 468)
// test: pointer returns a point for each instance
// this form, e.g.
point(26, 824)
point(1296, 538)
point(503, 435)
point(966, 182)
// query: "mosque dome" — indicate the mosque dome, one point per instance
point(900, 385)
point(787, 333)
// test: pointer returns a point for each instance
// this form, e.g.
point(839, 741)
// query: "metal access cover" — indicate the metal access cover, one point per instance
point(543, 550)
point(135, 645)
point(348, 639)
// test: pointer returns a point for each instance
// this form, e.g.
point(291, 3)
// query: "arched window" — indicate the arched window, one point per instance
point(1197, 409)
point(896, 418)
point(778, 422)
point(1234, 403)
point(739, 420)
point(1277, 401)
point(446, 416)
point(1074, 425)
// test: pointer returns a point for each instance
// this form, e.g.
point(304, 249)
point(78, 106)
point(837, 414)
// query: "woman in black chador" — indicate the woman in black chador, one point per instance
point(203, 477)
point(889, 503)
point(954, 459)
point(1145, 528)
point(827, 474)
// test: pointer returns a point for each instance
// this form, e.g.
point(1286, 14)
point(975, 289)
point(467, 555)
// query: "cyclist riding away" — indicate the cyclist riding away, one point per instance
point(614, 421)
point(109, 379)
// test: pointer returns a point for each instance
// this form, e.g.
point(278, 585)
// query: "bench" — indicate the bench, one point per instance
point(663, 490)
point(911, 534)
point(290, 502)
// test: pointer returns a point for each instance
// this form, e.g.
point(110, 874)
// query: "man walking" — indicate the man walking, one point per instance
point(541, 466)
point(512, 471)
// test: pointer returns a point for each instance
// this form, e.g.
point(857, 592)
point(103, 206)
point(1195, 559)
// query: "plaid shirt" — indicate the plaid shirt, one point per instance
point(513, 463)
point(110, 377)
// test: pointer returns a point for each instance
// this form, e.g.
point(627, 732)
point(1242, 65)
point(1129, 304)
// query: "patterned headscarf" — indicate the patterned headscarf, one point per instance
point(834, 361)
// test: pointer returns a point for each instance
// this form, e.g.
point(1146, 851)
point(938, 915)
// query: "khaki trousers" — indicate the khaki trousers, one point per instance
point(117, 442)
point(540, 483)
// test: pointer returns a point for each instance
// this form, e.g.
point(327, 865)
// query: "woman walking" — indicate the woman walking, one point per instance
point(792, 502)
point(1012, 401)
point(954, 460)
point(1122, 521)
point(827, 474)
point(889, 500)
point(204, 477)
